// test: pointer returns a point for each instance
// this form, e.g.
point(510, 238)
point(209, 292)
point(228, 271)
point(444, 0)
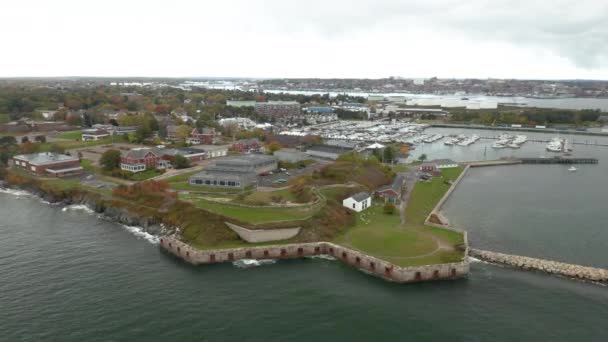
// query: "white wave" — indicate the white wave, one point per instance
point(322, 256)
point(472, 259)
point(15, 192)
point(247, 263)
point(81, 207)
point(141, 233)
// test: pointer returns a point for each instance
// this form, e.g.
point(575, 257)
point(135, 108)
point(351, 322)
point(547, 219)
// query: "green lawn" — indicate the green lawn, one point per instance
point(68, 145)
point(4, 118)
point(252, 215)
point(426, 195)
point(412, 243)
point(142, 176)
point(400, 168)
point(181, 178)
point(268, 197)
point(75, 135)
point(87, 165)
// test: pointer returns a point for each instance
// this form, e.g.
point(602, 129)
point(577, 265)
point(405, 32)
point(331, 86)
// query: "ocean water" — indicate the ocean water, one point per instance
point(68, 275)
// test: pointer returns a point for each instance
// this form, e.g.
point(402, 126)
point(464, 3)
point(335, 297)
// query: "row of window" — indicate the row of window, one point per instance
point(133, 168)
point(217, 183)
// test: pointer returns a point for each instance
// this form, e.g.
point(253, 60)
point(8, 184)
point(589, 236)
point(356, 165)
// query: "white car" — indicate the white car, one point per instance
point(283, 170)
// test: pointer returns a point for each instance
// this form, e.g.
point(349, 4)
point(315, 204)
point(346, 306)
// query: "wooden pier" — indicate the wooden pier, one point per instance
point(559, 160)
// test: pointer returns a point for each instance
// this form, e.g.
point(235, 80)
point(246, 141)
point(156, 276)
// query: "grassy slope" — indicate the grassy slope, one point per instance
point(252, 215)
point(75, 135)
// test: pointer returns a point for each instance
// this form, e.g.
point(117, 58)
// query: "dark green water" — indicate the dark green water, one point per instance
point(70, 276)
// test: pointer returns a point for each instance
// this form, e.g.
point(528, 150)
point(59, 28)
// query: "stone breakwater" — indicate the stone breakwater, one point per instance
point(363, 262)
point(548, 266)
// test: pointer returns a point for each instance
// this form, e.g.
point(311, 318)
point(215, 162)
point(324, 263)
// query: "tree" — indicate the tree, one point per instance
point(181, 162)
point(422, 157)
point(183, 132)
point(40, 138)
point(388, 154)
point(56, 148)
point(273, 147)
point(25, 139)
point(8, 140)
point(110, 159)
point(389, 208)
point(28, 148)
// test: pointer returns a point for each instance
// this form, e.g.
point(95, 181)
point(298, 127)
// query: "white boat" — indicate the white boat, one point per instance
point(555, 145)
point(572, 169)
point(498, 145)
point(449, 142)
point(513, 145)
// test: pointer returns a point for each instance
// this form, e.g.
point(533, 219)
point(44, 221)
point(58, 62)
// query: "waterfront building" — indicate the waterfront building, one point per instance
point(358, 202)
point(434, 166)
point(48, 164)
point(139, 159)
point(277, 109)
point(319, 110)
point(236, 172)
point(94, 134)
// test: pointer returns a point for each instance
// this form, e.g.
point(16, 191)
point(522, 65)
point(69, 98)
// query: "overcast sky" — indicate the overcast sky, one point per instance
point(549, 39)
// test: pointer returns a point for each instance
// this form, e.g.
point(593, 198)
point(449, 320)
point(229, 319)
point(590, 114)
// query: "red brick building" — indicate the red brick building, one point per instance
point(247, 145)
point(48, 164)
point(206, 136)
point(139, 159)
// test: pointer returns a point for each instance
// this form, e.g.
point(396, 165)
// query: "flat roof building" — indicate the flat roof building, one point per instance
point(277, 109)
point(235, 172)
point(48, 164)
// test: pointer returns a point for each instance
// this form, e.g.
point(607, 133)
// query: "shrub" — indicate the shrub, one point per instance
point(110, 160)
point(389, 208)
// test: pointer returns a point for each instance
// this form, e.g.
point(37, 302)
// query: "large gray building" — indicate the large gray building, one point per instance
point(290, 155)
point(235, 172)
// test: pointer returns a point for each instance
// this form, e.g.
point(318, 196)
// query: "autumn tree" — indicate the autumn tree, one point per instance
point(110, 159)
point(183, 132)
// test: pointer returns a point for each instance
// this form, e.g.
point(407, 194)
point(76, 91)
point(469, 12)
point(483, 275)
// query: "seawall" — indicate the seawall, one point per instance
point(362, 262)
point(548, 266)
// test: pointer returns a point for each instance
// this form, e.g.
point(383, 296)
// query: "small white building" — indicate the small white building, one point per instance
point(358, 202)
point(94, 134)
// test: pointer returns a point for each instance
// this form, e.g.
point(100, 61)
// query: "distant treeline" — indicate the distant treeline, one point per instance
point(532, 116)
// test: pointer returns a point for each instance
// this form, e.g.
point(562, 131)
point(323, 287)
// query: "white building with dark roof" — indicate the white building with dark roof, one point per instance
point(358, 202)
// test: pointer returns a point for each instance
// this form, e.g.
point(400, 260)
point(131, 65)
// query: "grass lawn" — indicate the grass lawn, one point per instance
point(268, 197)
point(412, 243)
point(5, 118)
point(75, 135)
point(87, 165)
point(141, 176)
point(181, 178)
point(68, 145)
point(426, 195)
point(252, 215)
point(400, 168)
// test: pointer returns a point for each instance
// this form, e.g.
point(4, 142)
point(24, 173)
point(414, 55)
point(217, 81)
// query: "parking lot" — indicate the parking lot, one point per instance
point(275, 177)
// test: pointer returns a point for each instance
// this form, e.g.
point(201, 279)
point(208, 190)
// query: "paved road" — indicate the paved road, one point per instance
point(411, 177)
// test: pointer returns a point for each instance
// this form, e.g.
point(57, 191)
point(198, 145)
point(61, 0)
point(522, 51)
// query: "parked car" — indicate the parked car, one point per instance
point(283, 169)
point(280, 181)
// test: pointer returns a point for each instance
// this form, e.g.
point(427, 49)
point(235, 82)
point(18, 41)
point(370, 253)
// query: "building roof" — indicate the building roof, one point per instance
point(250, 141)
point(330, 149)
point(95, 131)
point(140, 153)
point(360, 196)
point(375, 146)
point(45, 158)
point(246, 159)
point(395, 185)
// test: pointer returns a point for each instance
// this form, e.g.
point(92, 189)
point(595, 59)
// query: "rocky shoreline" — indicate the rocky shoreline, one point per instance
point(109, 209)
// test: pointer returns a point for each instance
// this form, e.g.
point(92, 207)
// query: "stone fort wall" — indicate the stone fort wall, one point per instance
point(363, 262)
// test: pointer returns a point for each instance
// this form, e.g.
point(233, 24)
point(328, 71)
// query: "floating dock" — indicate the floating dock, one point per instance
point(559, 160)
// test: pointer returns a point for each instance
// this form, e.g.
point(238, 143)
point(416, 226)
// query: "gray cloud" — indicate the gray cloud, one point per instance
point(573, 29)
